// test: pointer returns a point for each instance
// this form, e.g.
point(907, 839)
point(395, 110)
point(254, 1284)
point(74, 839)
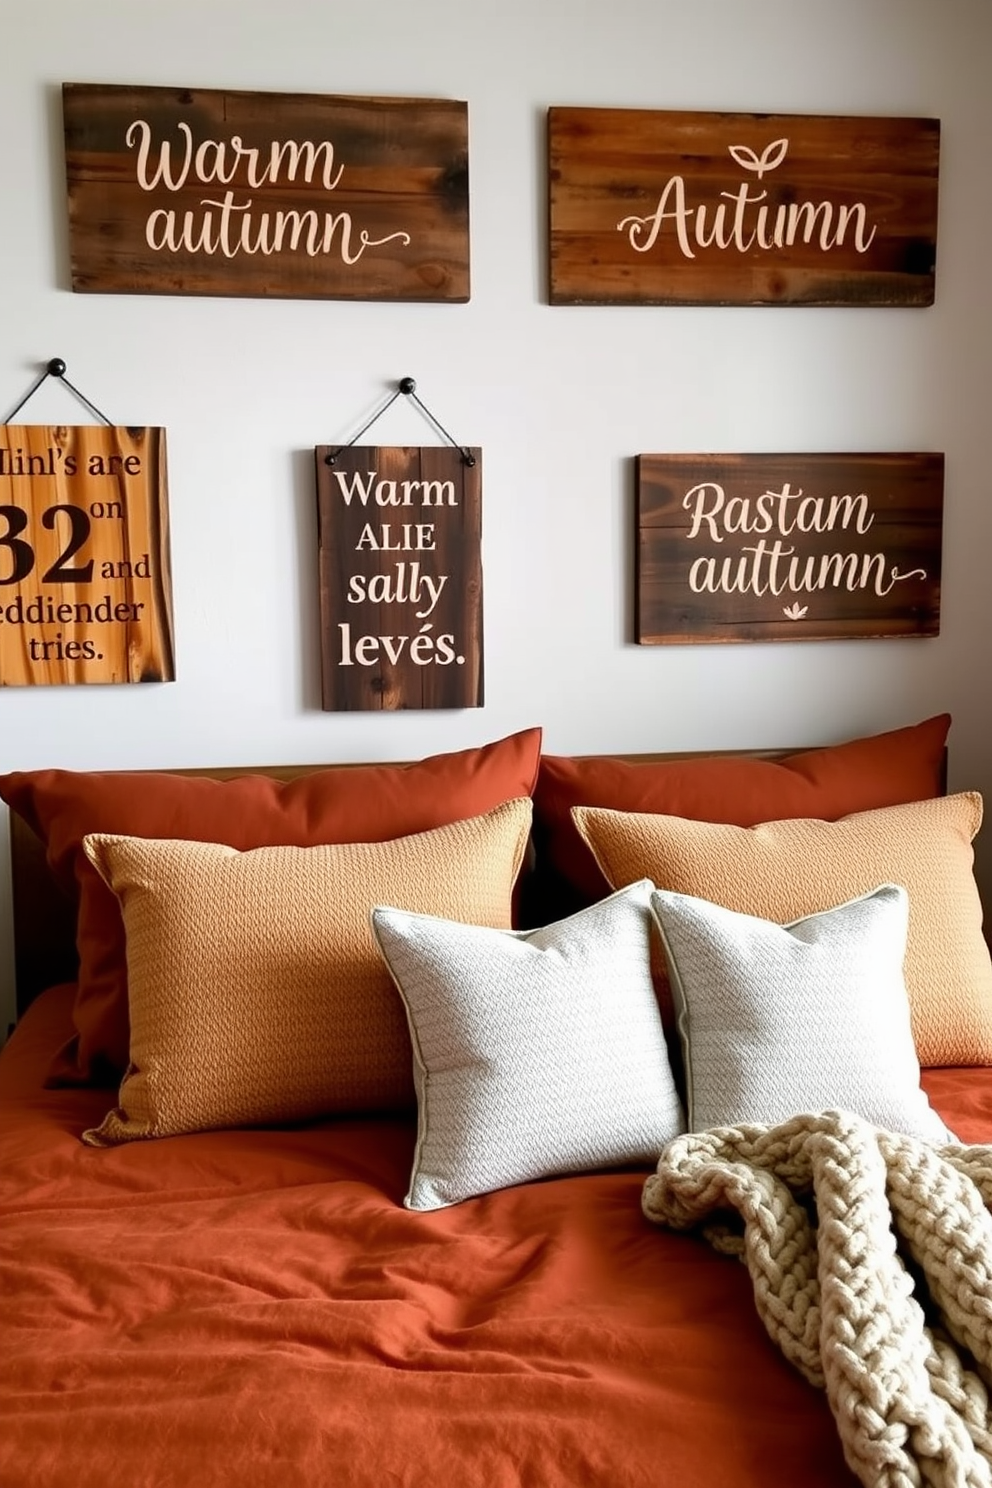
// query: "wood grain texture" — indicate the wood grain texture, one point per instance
point(689, 208)
point(770, 548)
point(400, 578)
point(275, 195)
point(85, 577)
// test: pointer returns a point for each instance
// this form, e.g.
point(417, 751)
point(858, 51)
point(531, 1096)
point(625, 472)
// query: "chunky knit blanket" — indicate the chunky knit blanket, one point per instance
point(870, 1255)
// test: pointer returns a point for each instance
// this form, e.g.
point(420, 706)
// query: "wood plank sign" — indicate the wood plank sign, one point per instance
point(400, 535)
point(670, 208)
point(195, 192)
point(85, 581)
point(788, 547)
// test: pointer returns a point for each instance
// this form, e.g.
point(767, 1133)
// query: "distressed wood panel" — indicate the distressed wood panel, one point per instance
point(400, 568)
point(787, 547)
point(679, 208)
point(85, 578)
point(343, 198)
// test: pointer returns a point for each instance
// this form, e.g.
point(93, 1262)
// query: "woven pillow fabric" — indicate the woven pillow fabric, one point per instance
point(257, 992)
point(784, 870)
point(357, 803)
point(780, 1020)
point(888, 769)
point(535, 1053)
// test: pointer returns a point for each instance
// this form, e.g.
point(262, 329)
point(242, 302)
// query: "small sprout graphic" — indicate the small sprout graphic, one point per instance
point(771, 156)
point(795, 611)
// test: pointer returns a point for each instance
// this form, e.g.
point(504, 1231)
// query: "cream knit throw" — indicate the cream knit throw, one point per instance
point(907, 1388)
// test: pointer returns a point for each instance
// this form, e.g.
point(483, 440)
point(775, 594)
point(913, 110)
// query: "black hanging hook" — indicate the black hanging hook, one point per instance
point(55, 368)
point(408, 387)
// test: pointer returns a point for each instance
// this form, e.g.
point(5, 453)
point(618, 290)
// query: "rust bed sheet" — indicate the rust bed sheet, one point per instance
point(255, 1309)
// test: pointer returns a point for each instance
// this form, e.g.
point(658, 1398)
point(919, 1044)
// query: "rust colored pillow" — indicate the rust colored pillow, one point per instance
point(887, 769)
point(360, 803)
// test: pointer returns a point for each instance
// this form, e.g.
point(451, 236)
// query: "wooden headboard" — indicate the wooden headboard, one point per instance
point(44, 917)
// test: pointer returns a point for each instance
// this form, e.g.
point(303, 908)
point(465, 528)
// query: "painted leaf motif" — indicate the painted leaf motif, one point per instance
point(771, 156)
point(795, 611)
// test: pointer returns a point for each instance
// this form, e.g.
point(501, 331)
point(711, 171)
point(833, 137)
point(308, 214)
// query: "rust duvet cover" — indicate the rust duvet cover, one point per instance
point(256, 1309)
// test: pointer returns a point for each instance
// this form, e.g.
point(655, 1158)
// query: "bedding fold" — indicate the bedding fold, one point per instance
point(256, 1307)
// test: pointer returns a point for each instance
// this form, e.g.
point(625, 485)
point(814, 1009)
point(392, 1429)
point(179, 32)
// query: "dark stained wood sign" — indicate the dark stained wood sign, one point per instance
point(671, 208)
point(193, 192)
point(400, 553)
point(85, 583)
point(788, 547)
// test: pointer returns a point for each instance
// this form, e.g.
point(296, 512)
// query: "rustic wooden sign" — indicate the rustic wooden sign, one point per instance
point(787, 547)
point(670, 208)
point(400, 552)
point(85, 582)
point(195, 192)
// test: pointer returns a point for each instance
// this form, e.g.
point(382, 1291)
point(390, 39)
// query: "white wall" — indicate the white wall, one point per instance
point(558, 398)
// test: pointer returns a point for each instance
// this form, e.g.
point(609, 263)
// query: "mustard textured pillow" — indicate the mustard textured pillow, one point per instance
point(785, 870)
point(257, 992)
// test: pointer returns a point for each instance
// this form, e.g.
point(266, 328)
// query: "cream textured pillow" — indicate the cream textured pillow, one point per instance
point(535, 1052)
point(784, 870)
point(257, 994)
point(779, 1020)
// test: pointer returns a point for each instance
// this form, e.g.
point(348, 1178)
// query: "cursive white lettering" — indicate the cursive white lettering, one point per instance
point(783, 511)
point(830, 225)
point(141, 132)
point(774, 568)
point(229, 226)
point(220, 160)
point(219, 229)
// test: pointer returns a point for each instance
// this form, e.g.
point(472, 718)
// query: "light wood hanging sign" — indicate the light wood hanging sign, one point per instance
point(788, 547)
point(196, 192)
point(400, 532)
point(668, 208)
point(85, 583)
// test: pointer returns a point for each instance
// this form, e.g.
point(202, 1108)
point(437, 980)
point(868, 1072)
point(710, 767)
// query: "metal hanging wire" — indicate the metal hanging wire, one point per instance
point(56, 368)
point(408, 387)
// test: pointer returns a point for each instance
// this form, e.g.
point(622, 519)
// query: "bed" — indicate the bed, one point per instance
point(212, 1270)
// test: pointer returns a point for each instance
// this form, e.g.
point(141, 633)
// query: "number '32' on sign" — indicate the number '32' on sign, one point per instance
point(85, 580)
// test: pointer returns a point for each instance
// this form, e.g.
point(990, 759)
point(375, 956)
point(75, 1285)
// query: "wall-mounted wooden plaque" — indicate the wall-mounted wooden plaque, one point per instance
point(85, 581)
point(667, 208)
point(400, 556)
point(196, 192)
point(788, 547)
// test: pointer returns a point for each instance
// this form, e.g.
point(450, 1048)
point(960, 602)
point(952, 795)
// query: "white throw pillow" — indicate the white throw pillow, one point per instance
point(777, 1020)
point(535, 1053)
